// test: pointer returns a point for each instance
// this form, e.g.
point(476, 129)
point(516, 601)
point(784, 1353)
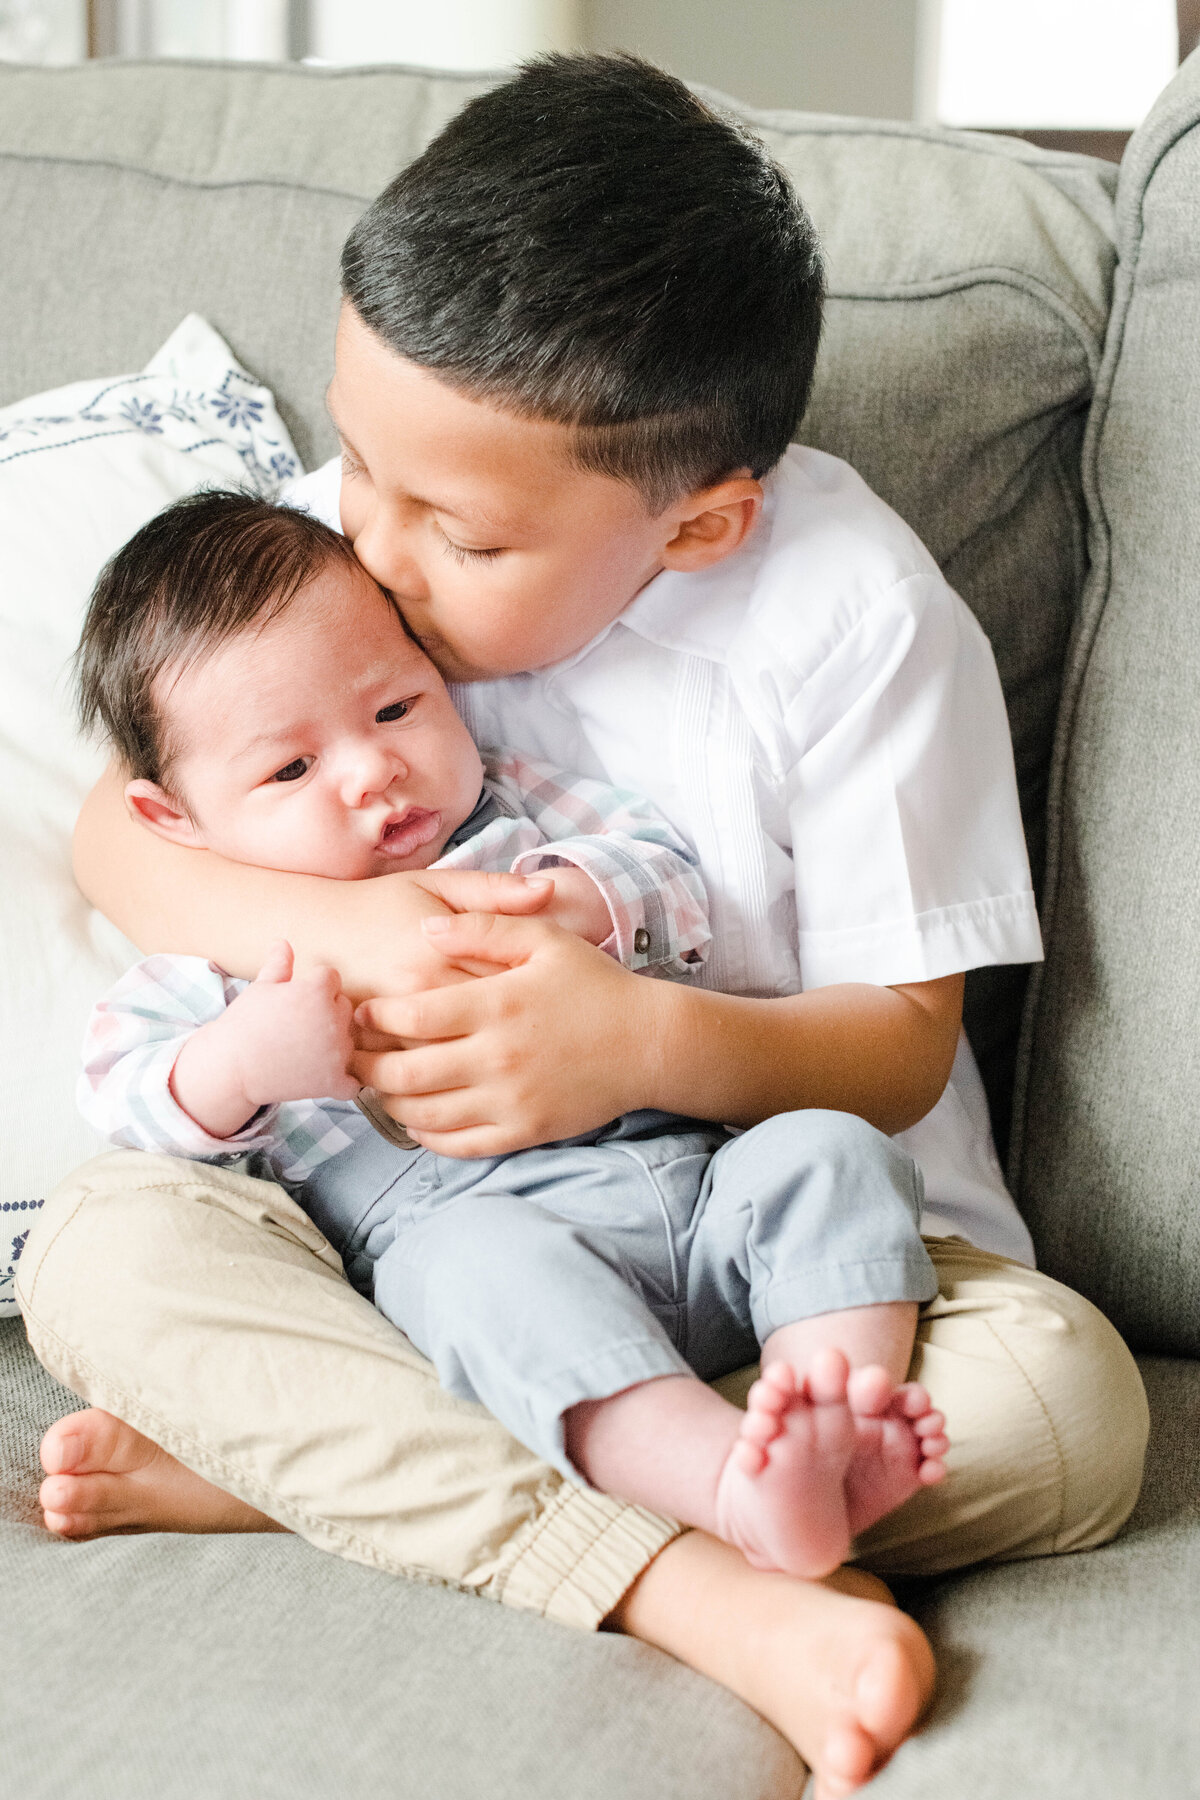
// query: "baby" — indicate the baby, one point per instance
point(270, 706)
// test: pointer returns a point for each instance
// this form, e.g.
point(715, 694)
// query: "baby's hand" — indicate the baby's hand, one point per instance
point(285, 1037)
point(577, 904)
point(293, 1033)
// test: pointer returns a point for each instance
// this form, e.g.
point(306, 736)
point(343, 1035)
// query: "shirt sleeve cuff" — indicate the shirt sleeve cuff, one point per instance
point(655, 924)
point(945, 941)
point(186, 1136)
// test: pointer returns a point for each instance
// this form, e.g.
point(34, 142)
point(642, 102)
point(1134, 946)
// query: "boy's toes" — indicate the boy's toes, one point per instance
point(87, 1441)
point(848, 1762)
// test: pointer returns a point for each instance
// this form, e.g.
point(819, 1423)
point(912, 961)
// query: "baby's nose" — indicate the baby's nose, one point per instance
point(371, 773)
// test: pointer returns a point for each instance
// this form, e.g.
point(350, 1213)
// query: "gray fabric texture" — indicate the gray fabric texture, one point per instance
point(257, 1668)
point(969, 284)
point(1072, 1677)
point(1109, 1169)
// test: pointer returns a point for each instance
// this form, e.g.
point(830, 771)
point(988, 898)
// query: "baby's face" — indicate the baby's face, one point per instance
point(324, 743)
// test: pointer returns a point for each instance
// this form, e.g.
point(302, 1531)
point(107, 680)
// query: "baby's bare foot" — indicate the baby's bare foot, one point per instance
point(900, 1443)
point(103, 1477)
point(781, 1496)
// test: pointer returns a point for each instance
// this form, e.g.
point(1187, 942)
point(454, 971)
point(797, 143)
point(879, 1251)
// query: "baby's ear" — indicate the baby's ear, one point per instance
point(153, 807)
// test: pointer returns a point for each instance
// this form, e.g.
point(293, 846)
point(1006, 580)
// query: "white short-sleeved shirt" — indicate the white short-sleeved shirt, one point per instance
point(820, 717)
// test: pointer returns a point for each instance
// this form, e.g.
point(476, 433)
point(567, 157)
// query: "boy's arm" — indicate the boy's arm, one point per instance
point(165, 897)
point(504, 1062)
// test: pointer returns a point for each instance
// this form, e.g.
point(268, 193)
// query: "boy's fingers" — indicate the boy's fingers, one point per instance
point(487, 891)
point(278, 962)
point(485, 937)
point(448, 1012)
point(430, 1069)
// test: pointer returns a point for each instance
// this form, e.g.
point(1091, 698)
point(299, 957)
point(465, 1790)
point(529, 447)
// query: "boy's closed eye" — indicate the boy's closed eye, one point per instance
point(464, 553)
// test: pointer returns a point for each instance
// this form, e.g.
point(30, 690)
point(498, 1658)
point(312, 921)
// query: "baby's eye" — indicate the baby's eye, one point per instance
point(293, 771)
point(399, 709)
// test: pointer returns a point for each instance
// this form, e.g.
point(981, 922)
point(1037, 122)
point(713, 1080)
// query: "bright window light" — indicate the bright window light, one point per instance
point(453, 34)
point(1068, 64)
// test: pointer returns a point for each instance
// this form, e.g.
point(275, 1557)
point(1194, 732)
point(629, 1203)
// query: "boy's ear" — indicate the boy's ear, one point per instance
point(712, 523)
point(153, 807)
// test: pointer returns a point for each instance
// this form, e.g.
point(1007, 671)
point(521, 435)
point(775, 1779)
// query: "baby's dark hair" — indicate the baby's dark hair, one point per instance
point(199, 572)
point(590, 243)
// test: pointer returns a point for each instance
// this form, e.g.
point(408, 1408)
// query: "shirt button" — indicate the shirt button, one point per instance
point(641, 940)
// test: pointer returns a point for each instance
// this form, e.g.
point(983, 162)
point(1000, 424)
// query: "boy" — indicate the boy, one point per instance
point(590, 293)
point(268, 704)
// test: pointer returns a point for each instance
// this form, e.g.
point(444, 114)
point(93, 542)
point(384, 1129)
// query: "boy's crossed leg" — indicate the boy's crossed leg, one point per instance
point(204, 1268)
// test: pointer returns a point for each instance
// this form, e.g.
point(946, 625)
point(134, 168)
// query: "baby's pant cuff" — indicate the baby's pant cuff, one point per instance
point(835, 1287)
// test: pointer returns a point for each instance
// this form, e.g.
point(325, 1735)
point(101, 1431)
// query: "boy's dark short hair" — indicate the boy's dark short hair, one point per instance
point(195, 575)
point(592, 244)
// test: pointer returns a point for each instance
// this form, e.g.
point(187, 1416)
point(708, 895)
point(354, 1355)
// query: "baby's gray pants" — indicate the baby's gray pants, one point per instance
point(655, 1246)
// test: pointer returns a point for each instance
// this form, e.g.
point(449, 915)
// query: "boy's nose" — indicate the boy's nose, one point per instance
point(383, 549)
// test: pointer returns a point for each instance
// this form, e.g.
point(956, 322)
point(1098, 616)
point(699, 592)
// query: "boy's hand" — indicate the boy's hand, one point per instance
point(556, 1040)
point(285, 1037)
point(416, 964)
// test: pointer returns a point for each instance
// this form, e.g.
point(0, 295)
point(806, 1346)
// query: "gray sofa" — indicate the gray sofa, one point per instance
point(1013, 360)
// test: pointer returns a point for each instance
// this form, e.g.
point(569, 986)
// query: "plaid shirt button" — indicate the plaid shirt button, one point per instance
point(641, 940)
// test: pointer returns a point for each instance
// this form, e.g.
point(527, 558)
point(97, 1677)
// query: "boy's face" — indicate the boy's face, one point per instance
point(501, 553)
point(324, 743)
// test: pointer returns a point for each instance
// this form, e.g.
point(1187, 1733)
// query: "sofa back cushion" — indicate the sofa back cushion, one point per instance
point(969, 288)
point(1109, 1168)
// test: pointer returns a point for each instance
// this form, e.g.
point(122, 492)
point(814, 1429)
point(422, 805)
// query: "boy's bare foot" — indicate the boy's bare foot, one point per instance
point(781, 1496)
point(900, 1444)
point(832, 1664)
point(102, 1477)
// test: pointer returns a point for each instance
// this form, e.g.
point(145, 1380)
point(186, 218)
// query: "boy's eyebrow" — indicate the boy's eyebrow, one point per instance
point(453, 509)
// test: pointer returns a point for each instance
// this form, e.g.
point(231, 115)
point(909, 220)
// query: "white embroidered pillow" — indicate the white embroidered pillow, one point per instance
point(80, 469)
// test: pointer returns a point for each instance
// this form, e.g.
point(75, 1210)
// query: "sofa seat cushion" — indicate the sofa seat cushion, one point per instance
point(174, 1668)
point(1075, 1675)
point(183, 1668)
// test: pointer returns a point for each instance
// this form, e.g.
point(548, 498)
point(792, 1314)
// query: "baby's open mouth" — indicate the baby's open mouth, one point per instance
point(409, 831)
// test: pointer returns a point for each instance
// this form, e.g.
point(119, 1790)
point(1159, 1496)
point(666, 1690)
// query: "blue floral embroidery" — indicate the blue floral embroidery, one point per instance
point(8, 1302)
point(143, 415)
point(236, 409)
point(236, 412)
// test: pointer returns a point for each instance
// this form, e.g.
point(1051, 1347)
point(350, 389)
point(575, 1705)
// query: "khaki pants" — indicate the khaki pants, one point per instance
point(205, 1309)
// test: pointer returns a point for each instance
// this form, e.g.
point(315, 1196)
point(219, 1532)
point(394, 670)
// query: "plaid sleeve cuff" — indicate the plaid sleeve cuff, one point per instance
point(654, 898)
point(135, 1107)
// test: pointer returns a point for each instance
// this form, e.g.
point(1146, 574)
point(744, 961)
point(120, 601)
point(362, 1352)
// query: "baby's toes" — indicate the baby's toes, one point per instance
point(870, 1391)
point(912, 1400)
point(761, 1424)
point(780, 1379)
point(749, 1457)
point(826, 1377)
